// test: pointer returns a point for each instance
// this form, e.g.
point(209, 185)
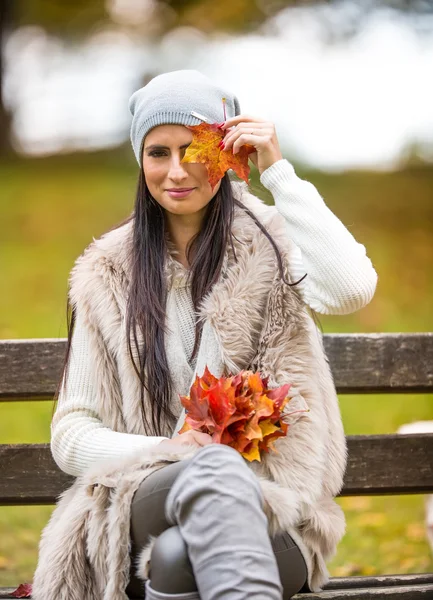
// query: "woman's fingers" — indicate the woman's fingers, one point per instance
point(203, 439)
point(249, 133)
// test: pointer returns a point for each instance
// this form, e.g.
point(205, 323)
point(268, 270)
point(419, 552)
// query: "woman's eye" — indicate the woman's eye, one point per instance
point(157, 153)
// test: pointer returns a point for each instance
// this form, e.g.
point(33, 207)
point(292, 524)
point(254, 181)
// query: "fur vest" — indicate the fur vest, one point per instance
point(252, 320)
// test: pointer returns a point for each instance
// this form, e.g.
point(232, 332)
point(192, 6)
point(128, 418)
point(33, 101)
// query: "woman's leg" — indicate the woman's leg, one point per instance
point(170, 554)
point(171, 572)
point(291, 565)
point(148, 516)
point(170, 549)
point(217, 504)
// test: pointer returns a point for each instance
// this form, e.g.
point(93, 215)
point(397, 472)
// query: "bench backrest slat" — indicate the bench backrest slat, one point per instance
point(360, 363)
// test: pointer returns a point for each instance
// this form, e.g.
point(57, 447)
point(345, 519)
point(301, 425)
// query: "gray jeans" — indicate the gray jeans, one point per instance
point(212, 506)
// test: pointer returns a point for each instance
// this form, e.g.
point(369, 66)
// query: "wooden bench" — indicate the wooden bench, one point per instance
point(378, 464)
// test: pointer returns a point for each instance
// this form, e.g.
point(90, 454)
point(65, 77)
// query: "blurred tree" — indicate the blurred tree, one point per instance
point(70, 20)
point(73, 20)
point(241, 16)
point(5, 117)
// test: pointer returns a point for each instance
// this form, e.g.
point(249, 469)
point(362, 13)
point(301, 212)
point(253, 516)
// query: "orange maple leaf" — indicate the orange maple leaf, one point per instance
point(204, 149)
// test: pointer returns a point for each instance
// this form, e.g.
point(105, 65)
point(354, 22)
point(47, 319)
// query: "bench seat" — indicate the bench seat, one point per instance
point(378, 464)
point(389, 587)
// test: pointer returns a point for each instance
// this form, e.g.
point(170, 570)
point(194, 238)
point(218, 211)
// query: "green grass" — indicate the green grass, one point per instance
point(51, 209)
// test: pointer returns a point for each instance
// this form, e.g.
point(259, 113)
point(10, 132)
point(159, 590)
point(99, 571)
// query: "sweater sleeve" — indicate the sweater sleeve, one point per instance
point(340, 277)
point(78, 436)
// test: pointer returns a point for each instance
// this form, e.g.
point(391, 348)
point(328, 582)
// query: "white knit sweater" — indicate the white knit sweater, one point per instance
point(341, 279)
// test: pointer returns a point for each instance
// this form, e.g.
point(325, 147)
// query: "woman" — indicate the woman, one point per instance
point(200, 277)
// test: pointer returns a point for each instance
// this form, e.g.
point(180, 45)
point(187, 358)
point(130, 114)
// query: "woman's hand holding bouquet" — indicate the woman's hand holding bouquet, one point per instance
point(239, 411)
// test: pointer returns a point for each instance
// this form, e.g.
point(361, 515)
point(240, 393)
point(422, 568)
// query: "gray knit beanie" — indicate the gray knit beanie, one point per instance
point(171, 97)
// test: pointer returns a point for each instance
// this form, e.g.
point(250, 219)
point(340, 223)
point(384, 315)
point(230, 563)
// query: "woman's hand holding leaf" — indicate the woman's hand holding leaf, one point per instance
point(244, 130)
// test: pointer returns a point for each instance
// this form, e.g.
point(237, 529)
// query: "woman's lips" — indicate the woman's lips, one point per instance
point(180, 194)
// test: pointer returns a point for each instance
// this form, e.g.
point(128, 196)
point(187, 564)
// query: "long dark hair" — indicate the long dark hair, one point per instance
point(147, 297)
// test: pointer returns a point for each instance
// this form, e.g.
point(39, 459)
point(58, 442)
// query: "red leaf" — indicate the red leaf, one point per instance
point(24, 590)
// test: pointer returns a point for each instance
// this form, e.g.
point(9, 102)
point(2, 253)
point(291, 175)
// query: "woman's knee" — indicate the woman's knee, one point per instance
point(224, 462)
point(230, 468)
point(170, 568)
point(216, 474)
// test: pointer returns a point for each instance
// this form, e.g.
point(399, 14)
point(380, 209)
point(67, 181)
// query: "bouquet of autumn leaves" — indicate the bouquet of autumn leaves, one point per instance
point(240, 411)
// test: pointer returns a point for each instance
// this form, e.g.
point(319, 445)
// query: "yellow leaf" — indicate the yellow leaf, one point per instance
point(356, 503)
point(4, 562)
point(253, 453)
point(267, 427)
point(371, 519)
point(346, 570)
point(416, 531)
point(368, 570)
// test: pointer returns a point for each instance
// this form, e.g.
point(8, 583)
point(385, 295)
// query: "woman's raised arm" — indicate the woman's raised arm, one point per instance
point(340, 277)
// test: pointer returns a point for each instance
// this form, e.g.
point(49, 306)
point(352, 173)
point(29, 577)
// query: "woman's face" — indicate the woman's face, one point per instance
point(163, 150)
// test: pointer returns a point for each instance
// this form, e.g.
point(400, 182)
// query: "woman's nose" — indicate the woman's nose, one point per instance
point(177, 168)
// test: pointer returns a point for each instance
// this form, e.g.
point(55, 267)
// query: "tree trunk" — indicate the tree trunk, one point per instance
point(5, 116)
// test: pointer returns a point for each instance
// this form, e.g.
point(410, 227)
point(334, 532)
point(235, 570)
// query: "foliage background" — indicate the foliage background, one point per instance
point(52, 208)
